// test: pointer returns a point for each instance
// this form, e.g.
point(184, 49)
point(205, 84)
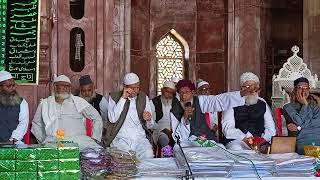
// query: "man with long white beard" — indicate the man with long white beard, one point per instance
point(87, 92)
point(14, 111)
point(161, 106)
point(67, 113)
point(254, 119)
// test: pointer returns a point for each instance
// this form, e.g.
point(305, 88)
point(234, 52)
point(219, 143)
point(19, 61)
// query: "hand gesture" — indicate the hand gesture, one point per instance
point(147, 116)
point(126, 92)
point(302, 98)
point(188, 111)
point(292, 127)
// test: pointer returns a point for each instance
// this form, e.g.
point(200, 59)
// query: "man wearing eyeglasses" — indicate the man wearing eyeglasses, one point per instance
point(188, 118)
point(14, 111)
point(203, 88)
point(63, 112)
point(303, 115)
point(254, 119)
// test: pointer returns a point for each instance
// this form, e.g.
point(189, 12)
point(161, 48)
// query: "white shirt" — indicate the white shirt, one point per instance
point(230, 132)
point(70, 120)
point(164, 122)
point(212, 103)
point(104, 107)
point(131, 128)
point(22, 127)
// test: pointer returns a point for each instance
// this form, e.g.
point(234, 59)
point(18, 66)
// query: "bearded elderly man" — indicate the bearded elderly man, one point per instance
point(254, 119)
point(13, 110)
point(65, 112)
point(188, 117)
point(161, 106)
point(87, 92)
point(129, 119)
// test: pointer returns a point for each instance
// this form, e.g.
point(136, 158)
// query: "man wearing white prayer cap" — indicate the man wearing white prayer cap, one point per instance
point(203, 88)
point(66, 113)
point(252, 120)
point(14, 111)
point(161, 106)
point(129, 119)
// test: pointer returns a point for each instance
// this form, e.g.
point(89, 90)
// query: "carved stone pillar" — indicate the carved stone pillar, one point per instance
point(121, 40)
point(311, 34)
point(245, 39)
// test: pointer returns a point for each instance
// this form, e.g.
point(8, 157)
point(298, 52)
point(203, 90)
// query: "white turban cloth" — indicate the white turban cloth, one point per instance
point(169, 84)
point(5, 75)
point(130, 78)
point(62, 78)
point(248, 76)
point(201, 83)
point(175, 79)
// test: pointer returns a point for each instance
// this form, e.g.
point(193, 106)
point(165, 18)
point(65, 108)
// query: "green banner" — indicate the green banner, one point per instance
point(19, 39)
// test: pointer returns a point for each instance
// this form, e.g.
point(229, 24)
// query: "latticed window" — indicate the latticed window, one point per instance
point(170, 60)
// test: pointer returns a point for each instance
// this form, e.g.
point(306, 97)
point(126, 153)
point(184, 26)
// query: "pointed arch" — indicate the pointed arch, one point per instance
point(172, 51)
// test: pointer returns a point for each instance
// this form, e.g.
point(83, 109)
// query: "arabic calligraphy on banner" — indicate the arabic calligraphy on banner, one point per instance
point(21, 46)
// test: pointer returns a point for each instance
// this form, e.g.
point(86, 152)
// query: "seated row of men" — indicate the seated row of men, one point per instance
point(131, 121)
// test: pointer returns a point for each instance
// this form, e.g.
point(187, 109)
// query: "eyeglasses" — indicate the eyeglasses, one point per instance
point(254, 89)
point(303, 87)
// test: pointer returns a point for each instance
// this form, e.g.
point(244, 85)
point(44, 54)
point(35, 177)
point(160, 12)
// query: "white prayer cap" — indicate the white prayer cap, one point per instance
point(201, 83)
point(169, 84)
point(248, 76)
point(62, 78)
point(5, 75)
point(175, 79)
point(130, 78)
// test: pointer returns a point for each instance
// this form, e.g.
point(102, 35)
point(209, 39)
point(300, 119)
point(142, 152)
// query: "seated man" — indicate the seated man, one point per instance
point(87, 92)
point(303, 115)
point(161, 106)
point(203, 88)
point(254, 119)
point(14, 111)
point(129, 119)
point(63, 111)
point(187, 118)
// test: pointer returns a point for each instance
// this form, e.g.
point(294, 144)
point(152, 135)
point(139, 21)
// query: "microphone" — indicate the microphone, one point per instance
point(188, 104)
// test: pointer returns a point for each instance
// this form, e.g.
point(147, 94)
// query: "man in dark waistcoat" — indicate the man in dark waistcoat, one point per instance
point(188, 119)
point(129, 119)
point(14, 111)
point(87, 92)
point(254, 119)
point(161, 106)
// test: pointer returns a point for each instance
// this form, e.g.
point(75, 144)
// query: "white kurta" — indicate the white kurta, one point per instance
point(212, 103)
point(131, 135)
point(22, 127)
point(230, 132)
point(104, 107)
point(163, 123)
point(72, 122)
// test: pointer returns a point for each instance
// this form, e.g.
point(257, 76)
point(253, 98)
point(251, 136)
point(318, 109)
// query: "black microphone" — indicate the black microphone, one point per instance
point(188, 174)
point(188, 104)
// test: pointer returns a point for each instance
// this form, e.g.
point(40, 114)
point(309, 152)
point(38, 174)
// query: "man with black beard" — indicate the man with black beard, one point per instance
point(87, 92)
point(14, 111)
point(254, 119)
point(63, 112)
